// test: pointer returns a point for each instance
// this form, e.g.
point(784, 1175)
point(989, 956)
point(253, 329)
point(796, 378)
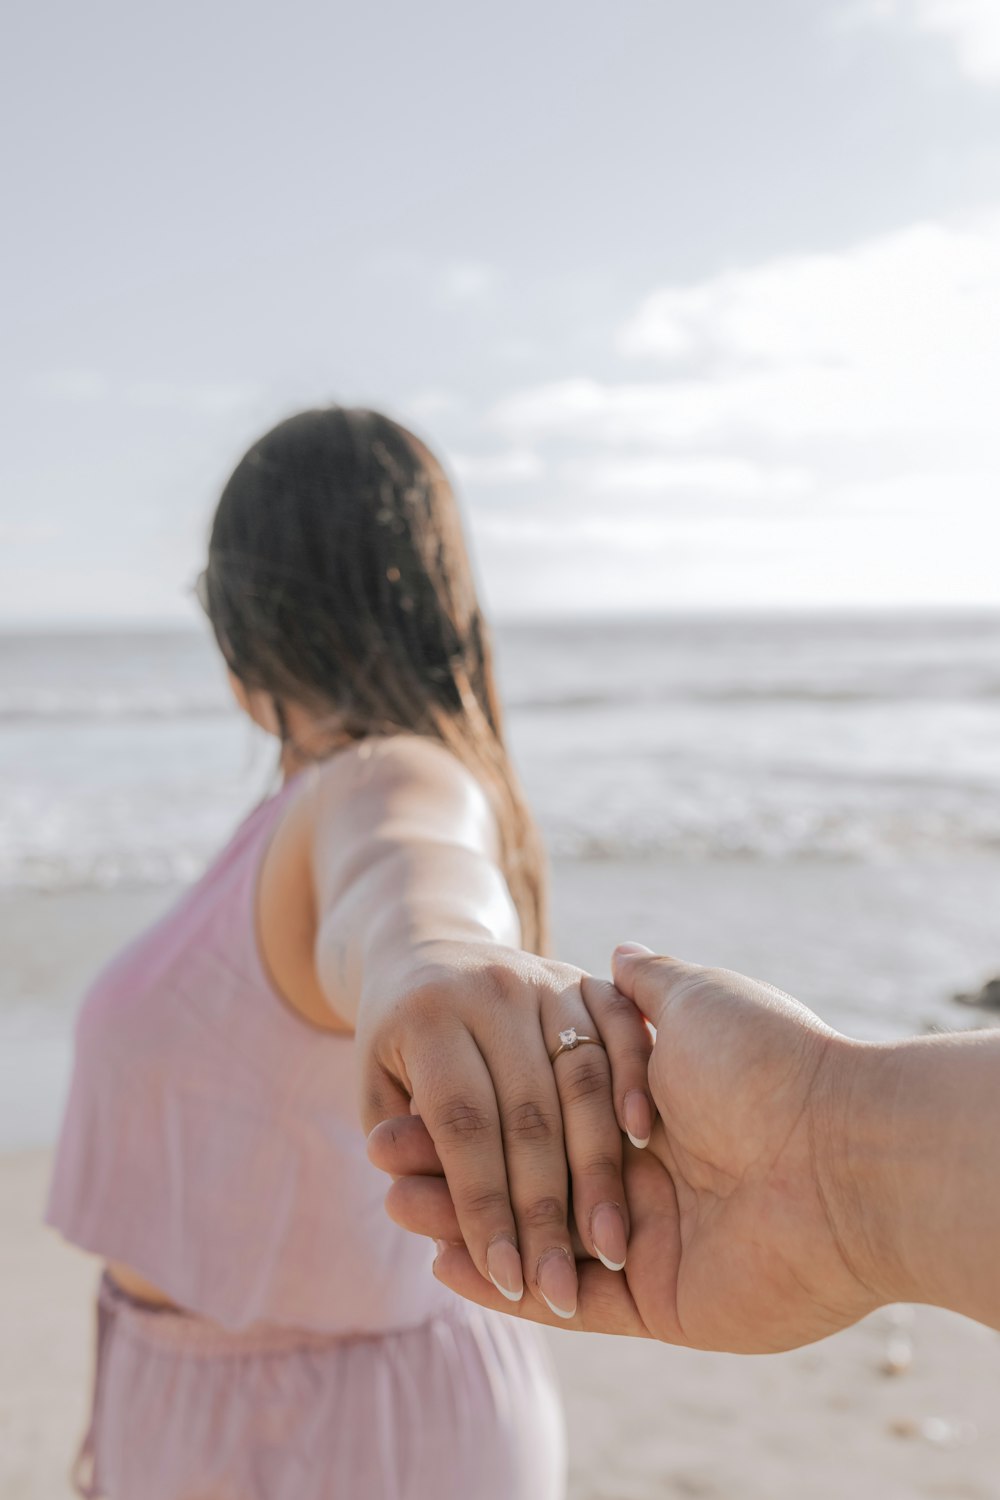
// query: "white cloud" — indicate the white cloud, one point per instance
point(829, 418)
point(896, 339)
point(423, 406)
point(652, 475)
point(54, 592)
point(515, 466)
point(624, 563)
point(971, 26)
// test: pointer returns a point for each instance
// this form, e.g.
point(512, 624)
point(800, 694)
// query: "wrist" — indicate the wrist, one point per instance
point(397, 967)
point(863, 1158)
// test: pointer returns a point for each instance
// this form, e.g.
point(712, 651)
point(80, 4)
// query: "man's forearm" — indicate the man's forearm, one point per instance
point(911, 1172)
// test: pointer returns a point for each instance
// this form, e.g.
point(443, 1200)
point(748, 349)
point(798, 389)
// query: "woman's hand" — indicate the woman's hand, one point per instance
point(463, 1037)
point(417, 949)
point(745, 1228)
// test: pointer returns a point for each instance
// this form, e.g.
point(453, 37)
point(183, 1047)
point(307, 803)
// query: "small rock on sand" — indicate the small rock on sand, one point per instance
point(986, 998)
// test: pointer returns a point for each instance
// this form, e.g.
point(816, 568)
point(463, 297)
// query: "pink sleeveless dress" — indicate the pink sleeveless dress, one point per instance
point(211, 1143)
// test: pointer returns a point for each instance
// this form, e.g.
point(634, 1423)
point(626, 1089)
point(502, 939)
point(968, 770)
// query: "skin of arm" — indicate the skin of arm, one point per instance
point(911, 1169)
point(795, 1181)
point(414, 949)
point(404, 854)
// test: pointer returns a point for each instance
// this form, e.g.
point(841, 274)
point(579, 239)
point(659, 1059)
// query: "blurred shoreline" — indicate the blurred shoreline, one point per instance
point(877, 950)
point(872, 737)
point(818, 809)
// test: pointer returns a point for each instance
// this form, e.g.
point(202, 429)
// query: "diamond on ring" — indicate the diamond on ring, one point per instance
point(570, 1039)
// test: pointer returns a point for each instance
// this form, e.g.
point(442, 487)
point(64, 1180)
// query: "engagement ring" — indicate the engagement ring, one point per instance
point(571, 1038)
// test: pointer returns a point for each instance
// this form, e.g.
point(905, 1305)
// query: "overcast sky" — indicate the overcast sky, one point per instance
point(700, 300)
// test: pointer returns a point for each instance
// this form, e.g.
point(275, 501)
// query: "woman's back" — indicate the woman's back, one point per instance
point(211, 1145)
point(211, 1139)
point(297, 1344)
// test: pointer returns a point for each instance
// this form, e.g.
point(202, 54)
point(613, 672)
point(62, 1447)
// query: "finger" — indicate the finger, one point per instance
point(423, 1206)
point(628, 1043)
point(531, 1117)
point(655, 1248)
point(457, 1101)
point(604, 1305)
point(403, 1147)
point(647, 978)
point(383, 1097)
point(593, 1137)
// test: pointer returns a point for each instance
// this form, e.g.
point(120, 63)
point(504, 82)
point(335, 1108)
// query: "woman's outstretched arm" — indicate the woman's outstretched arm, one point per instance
point(416, 947)
point(795, 1181)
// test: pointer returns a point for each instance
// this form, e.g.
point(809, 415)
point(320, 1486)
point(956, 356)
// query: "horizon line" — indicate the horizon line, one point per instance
point(171, 625)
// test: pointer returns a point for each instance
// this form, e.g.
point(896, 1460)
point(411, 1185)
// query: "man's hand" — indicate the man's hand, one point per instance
point(741, 1228)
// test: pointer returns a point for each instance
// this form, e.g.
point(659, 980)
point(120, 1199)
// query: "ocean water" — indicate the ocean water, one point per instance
point(123, 761)
point(815, 801)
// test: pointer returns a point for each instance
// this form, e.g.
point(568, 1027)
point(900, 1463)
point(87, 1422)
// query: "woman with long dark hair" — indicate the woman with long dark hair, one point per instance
point(367, 942)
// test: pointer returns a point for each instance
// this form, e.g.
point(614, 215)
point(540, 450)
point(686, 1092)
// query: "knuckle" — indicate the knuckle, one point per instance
point(493, 986)
point(380, 1094)
point(544, 1213)
point(461, 1120)
point(373, 1103)
point(634, 1058)
point(485, 1203)
point(626, 1030)
point(529, 1122)
point(616, 1006)
point(599, 1164)
point(585, 1081)
point(423, 1001)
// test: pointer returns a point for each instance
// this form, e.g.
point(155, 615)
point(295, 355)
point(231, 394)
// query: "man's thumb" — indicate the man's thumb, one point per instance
point(646, 978)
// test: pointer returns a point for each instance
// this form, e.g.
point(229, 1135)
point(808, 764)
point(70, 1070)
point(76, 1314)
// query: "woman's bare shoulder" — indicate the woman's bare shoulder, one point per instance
point(400, 774)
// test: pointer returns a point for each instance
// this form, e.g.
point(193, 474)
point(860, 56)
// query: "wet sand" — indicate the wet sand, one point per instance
point(644, 1421)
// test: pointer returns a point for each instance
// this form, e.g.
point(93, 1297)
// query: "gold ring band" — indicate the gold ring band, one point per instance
point(570, 1039)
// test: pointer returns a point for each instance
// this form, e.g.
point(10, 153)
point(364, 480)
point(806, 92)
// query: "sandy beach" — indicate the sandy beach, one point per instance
point(644, 1421)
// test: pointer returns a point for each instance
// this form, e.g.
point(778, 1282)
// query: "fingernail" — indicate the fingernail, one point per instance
point(504, 1267)
point(638, 1118)
point(627, 949)
point(441, 1245)
point(557, 1282)
point(607, 1233)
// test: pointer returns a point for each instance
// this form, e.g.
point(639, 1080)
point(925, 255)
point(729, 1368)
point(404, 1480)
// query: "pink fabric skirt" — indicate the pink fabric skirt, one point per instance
point(461, 1408)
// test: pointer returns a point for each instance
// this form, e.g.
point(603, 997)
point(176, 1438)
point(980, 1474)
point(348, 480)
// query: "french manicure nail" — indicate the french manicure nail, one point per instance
point(504, 1266)
point(557, 1283)
point(638, 1118)
point(607, 1234)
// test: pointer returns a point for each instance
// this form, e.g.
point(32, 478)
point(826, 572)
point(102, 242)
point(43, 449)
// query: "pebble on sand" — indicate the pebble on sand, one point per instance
point(986, 998)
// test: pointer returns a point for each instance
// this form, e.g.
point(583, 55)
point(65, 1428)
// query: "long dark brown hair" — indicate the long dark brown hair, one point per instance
point(338, 579)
